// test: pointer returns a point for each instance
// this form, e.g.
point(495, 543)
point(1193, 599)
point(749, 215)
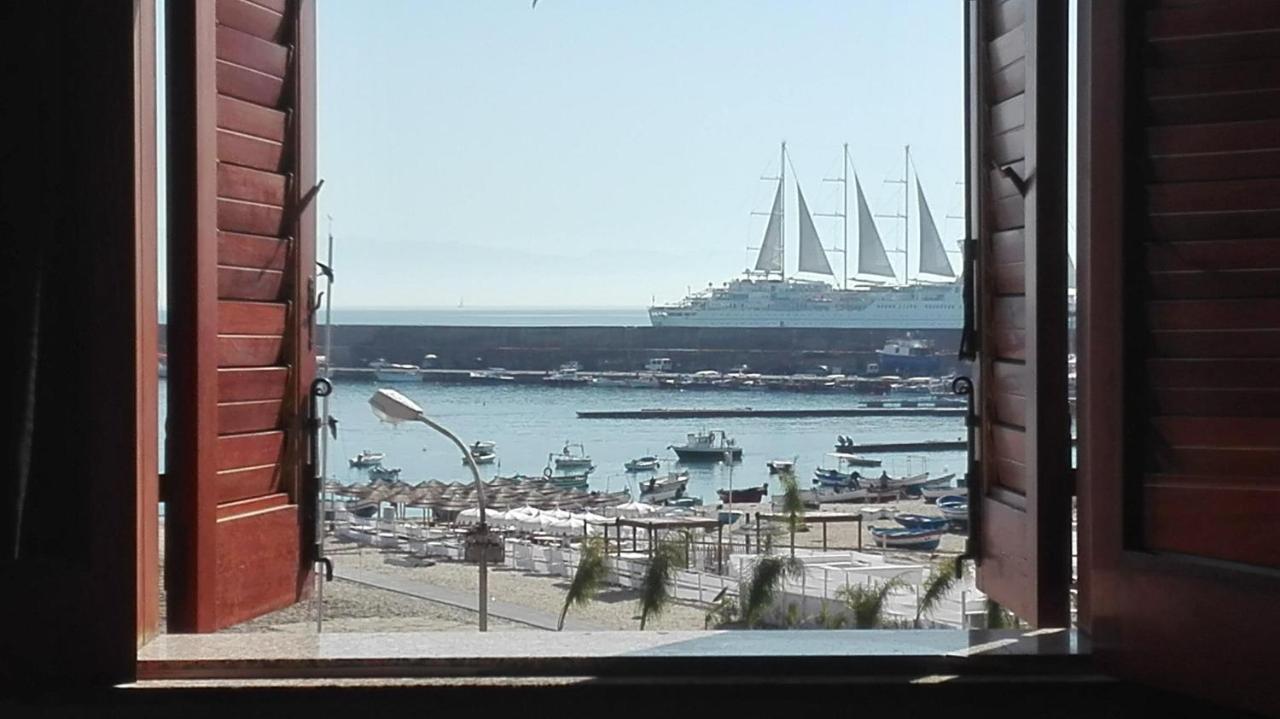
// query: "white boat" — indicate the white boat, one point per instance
point(663, 489)
point(647, 463)
point(483, 452)
point(572, 456)
point(710, 446)
point(567, 374)
point(781, 466)
point(836, 495)
point(367, 458)
point(898, 484)
point(492, 374)
point(954, 508)
point(933, 494)
point(385, 371)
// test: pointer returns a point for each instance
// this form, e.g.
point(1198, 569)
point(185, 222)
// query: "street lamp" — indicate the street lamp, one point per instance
point(391, 406)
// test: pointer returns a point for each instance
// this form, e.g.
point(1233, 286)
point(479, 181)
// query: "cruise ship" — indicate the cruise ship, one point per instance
point(876, 299)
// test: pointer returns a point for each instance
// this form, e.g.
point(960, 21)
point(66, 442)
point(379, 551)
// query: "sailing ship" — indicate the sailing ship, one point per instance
point(878, 299)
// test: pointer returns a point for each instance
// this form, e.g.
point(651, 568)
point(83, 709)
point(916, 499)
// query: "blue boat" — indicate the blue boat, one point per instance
point(835, 478)
point(921, 521)
point(906, 538)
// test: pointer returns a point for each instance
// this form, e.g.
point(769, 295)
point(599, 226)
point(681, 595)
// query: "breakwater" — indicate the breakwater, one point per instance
point(753, 412)
point(778, 350)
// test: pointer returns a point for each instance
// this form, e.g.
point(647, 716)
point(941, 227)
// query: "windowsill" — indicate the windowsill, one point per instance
point(809, 655)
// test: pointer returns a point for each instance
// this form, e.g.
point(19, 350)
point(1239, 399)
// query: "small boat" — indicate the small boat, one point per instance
point(711, 446)
point(367, 458)
point(906, 538)
point(921, 521)
point(364, 508)
point(647, 463)
point(483, 453)
point(567, 481)
point(747, 495)
point(933, 494)
point(781, 466)
point(377, 472)
point(686, 502)
point(385, 371)
point(659, 490)
point(567, 375)
point(899, 484)
point(844, 451)
point(491, 375)
point(569, 458)
point(955, 509)
point(835, 478)
point(853, 493)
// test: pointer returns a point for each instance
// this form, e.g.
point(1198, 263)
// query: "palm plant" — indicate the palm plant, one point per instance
point(587, 579)
point(792, 506)
point(942, 578)
point(654, 595)
point(867, 602)
point(763, 586)
point(1000, 618)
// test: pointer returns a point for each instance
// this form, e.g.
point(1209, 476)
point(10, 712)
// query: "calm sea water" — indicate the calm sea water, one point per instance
point(530, 422)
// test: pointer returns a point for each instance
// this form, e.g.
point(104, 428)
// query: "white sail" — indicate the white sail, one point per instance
point(933, 255)
point(872, 259)
point(812, 257)
point(1071, 273)
point(770, 257)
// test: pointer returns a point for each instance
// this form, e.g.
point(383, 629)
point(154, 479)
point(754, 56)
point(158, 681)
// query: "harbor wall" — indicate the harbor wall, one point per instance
point(780, 350)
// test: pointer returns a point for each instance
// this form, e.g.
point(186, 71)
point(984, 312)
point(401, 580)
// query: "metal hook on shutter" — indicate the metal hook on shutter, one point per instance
point(969, 334)
point(1020, 183)
point(964, 387)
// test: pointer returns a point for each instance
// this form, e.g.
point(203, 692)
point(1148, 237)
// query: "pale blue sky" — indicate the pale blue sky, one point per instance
point(598, 153)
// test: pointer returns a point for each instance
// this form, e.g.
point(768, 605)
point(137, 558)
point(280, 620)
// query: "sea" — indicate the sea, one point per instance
point(489, 316)
point(530, 422)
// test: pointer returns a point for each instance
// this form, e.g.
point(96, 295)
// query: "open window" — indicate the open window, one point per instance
point(240, 497)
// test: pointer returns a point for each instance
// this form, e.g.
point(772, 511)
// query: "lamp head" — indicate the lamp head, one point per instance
point(391, 406)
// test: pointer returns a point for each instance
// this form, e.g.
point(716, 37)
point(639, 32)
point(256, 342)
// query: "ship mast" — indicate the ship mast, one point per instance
point(782, 211)
point(904, 215)
point(844, 179)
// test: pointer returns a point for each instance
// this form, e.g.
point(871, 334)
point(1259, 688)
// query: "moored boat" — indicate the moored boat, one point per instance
point(659, 490)
point(955, 509)
point(933, 494)
point(385, 371)
point(921, 521)
point(367, 458)
point(844, 450)
point(746, 495)
point(647, 463)
point(907, 538)
point(711, 446)
point(378, 472)
point(483, 452)
point(572, 456)
point(781, 466)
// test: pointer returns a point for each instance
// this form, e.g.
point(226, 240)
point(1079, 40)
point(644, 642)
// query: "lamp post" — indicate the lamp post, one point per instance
point(391, 406)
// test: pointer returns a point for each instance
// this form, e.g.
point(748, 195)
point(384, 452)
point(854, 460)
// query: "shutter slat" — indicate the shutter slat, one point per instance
point(243, 183)
point(1244, 527)
point(1215, 344)
point(1213, 402)
point(1216, 49)
point(1223, 17)
point(257, 383)
point(251, 318)
point(249, 450)
point(250, 151)
point(238, 283)
point(1009, 81)
point(249, 217)
point(1238, 165)
point(1214, 373)
point(251, 18)
point(242, 417)
point(251, 505)
point(236, 484)
point(247, 118)
point(255, 53)
point(249, 85)
point(248, 350)
point(1216, 314)
point(1216, 137)
point(240, 250)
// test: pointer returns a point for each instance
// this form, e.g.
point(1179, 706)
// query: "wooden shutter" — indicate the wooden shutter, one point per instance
point(1180, 405)
point(1017, 141)
point(241, 254)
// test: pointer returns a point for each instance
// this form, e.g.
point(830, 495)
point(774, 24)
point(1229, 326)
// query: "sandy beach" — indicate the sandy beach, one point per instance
point(354, 607)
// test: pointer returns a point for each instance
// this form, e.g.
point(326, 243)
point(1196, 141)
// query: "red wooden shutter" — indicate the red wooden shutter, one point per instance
point(1017, 146)
point(1180, 404)
point(241, 255)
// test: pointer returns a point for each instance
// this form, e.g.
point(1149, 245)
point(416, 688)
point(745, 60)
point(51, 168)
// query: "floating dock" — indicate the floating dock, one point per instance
point(904, 410)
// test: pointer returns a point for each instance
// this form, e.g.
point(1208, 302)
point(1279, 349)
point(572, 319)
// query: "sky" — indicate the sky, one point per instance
point(597, 153)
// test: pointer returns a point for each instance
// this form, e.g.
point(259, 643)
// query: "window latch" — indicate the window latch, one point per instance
point(1020, 183)
point(964, 387)
point(969, 334)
